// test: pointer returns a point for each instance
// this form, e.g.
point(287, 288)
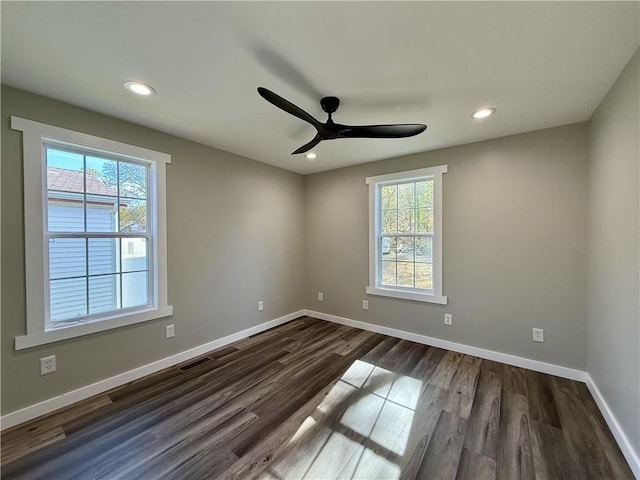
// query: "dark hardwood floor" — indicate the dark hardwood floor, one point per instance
point(312, 399)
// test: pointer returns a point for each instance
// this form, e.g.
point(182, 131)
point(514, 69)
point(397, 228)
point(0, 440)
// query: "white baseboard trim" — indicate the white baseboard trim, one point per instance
point(66, 399)
point(623, 442)
point(514, 360)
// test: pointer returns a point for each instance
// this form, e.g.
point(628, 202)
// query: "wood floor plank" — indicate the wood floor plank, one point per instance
point(202, 454)
point(446, 369)
point(542, 404)
point(550, 456)
point(257, 460)
point(484, 420)
point(445, 448)
point(588, 460)
point(463, 387)
point(30, 436)
point(515, 456)
point(474, 466)
point(305, 388)
point(359, 337)
point(426, 417)
point(514, 379)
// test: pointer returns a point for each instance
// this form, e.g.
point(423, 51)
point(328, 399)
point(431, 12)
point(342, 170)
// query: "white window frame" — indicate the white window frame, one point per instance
point(34, 137)
point(375, 286)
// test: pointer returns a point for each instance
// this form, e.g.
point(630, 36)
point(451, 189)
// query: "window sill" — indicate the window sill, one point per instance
point(405, 295)
point(42, 338)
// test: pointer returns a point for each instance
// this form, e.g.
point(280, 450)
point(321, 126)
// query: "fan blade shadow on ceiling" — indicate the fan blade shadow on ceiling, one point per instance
point(286, 72)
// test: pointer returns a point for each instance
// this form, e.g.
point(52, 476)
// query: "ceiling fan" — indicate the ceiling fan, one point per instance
point(330, 130)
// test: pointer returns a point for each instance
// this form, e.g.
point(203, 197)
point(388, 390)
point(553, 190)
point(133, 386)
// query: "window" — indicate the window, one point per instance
point(405, 244)
point(95, 234)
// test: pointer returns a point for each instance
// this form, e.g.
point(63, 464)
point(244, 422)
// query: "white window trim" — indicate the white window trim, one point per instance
point(33, 136)
point(408, 294)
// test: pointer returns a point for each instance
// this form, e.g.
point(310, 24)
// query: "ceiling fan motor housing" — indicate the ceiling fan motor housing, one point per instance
point(330, 104)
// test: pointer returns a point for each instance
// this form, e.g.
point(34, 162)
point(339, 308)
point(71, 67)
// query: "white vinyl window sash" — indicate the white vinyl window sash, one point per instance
point(76, 237)
point(405, 235)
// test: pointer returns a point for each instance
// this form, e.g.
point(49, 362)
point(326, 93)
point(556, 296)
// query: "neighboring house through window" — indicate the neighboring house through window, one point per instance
point(95, 234)
point(405, 230)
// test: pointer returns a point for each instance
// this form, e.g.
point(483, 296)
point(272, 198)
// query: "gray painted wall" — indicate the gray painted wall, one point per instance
point(234, 237)
point(613, 348)
point(515, 228)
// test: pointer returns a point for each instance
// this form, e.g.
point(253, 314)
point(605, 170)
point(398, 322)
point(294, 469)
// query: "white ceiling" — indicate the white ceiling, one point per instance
point(541, 64)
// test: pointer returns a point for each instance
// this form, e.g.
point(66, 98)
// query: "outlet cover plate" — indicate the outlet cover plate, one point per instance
point(47, 365)
point(320, 296)
point(169, 331)
point(365, 304)
point(448, 319)
point(538, 335)
point(260, 305)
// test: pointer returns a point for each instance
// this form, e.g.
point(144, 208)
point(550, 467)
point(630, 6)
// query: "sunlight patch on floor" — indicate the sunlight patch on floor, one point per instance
point(360, 430)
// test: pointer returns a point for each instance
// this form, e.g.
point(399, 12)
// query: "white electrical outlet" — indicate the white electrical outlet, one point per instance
point(47, 365)
point(260, 305)
point(365, 304)
point(320, 296)
point(538, 334)
point(169, 331)
point(448, 319)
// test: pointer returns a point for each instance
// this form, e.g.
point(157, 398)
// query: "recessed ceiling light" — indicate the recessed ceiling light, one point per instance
point(483, 113)
point(311, 156)
point(139, 88)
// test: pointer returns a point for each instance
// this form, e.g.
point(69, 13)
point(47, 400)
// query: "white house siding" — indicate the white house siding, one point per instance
point(67, 258)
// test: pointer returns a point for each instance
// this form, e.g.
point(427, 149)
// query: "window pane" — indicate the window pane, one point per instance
point(388, 273)
point(64, 171)
point(133, 180)
point(134, 289)
point(389, 221)
point(424, 249)
point(103, 256)
point(424, 276)
point(103, 293)
point(405, 221)
point(424, 193)
point(134, 254)
point(65, 212)
point(101, 176)
point(67, 299)
point(389, 197)
point(67, 257)
point(133, 215)
point(406, 195)
point(424, 220)
point(101, 214)
point(405, 248)
point(405, 274)
point(388, 248)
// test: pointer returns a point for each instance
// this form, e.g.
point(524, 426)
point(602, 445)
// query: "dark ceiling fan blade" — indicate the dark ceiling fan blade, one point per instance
point(308, 146)
point(286, 105)
point(381, 131)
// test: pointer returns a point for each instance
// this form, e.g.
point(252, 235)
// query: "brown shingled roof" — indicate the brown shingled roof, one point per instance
point(73, 181)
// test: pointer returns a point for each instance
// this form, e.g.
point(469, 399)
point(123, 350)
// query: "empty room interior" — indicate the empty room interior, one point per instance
point(320, 240)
